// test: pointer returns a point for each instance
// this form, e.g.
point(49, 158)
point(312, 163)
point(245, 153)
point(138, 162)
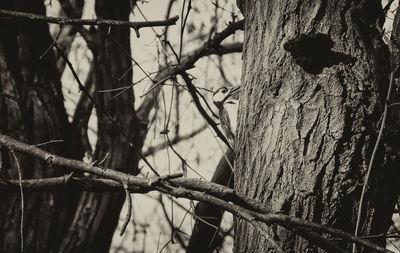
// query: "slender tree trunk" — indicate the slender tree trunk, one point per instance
point(309, 118)
point(32, 110)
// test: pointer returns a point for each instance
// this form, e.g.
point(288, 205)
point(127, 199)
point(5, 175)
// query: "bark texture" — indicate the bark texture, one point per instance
point(309, 117)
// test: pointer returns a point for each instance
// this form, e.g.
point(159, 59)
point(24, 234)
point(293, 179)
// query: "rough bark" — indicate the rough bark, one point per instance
point(308, 124)
point(32, 110)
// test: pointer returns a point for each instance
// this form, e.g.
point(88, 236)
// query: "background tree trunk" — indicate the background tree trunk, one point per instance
point(308, 124)
point(111, 62)
point(32, 110)
point(35, 113)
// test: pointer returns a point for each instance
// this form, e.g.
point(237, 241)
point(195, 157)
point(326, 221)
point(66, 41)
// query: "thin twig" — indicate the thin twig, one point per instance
point(183, 24)
point(195, 216)
point(14, 98)
point(175, 140)
point(371, 161)
point(174, 231)
point(129, 212)
point(158, 36)
point(52, 44)
point(22, 200)
point(184, 162)
point(169, 8)
point(205, 101)
point(49, 142)
point(394, 104)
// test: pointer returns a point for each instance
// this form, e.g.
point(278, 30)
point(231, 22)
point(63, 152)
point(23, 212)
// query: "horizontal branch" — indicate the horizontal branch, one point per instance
point(97, 21)
point(173, 188)
point(69, 183)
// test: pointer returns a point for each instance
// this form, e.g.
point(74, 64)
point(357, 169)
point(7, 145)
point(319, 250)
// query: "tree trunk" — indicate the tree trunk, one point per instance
point(111, 61)
point(309, 118)
point(32, 103)
point(32, 110)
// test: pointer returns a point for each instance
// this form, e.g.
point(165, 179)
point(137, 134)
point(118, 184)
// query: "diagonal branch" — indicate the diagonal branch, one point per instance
point(67, 33)
point(211, 46)
point(192, 91)
point(84, 109)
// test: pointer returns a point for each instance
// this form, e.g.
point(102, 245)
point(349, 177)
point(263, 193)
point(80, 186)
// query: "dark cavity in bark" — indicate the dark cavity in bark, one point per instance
point(313, 52)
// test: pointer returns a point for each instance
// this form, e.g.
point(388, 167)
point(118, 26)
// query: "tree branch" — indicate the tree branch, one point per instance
point(69, 183)
point(192, 91)
point(83, 110)
point(174, 187)
point(77, 21)
point(188, 61)
point(235, 47)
